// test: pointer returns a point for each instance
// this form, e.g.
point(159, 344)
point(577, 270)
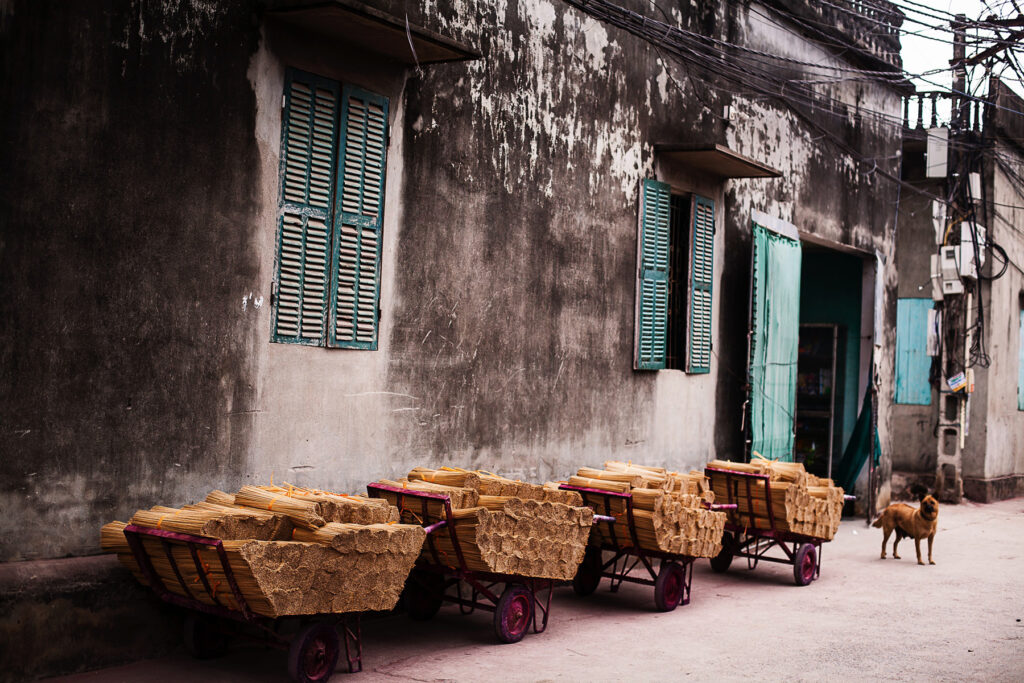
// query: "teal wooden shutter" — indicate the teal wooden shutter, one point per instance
point(359, 211)
point(702, 267)
point(652, 276)
point(913, 364)
point(308, 146)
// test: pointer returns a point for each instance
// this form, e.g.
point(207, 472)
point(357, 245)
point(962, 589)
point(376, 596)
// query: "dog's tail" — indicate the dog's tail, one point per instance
point(877, 523)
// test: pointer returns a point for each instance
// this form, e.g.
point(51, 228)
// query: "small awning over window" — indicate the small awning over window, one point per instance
point(717, 160)
point(370, 29)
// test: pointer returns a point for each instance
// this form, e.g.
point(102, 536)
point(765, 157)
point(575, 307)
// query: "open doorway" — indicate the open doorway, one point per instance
point(829, 376)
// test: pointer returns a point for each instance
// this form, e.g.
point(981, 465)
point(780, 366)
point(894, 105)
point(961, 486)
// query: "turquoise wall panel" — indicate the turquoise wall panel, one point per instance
point(912, 362)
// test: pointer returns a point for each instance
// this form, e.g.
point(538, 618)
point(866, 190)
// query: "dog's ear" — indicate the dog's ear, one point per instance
point(919, 491)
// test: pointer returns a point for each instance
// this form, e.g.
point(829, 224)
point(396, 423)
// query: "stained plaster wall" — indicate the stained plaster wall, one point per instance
point(127, 211)
point(1004, 422)
point(142, 371)
point(997, 463)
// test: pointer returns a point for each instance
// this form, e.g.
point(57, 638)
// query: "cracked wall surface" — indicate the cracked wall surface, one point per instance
point(146, 139)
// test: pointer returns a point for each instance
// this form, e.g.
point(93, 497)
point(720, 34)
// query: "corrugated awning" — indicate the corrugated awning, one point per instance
point(373, 30)
point(718, 160)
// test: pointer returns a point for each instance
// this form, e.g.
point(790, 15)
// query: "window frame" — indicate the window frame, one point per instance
point(681, 227)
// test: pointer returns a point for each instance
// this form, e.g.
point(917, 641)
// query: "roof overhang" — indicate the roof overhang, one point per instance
point(368, 28)
point(717, 160)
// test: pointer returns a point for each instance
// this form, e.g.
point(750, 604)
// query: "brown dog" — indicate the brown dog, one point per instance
point(906, 521)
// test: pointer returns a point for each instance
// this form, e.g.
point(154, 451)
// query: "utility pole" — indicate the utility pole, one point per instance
point(960, 101)
point(953, 406)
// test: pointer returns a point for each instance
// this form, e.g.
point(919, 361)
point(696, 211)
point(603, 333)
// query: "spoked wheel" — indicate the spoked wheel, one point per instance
point(668, 587)
point(424, 594)
point(513, 613)
point(314, 653)
point(720, 562)
point(588, 574)
point(203, 639)
point(805, 563)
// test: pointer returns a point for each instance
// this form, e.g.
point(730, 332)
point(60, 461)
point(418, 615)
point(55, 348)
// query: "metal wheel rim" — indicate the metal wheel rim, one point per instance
point(673, 588)
point(517, 615)
point(807, 566)
point(316, 658)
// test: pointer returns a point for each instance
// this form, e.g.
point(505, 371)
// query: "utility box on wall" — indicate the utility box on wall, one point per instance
point(938, 146)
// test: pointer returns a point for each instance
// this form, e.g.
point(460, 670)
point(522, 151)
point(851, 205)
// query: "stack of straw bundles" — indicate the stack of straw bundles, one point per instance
point(285, 558)
point(502, 526)
point(800, 502)
point(669, 513)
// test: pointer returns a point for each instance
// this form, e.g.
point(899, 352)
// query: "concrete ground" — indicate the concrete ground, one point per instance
point(863, 619)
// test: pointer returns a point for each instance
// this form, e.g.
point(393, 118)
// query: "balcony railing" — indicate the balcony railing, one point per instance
point(934, 108)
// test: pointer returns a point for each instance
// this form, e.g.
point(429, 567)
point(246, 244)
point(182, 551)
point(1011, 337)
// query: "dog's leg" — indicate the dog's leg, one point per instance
point(895, 544)
point(885, 539)
point(917, 546)
point(931, 539)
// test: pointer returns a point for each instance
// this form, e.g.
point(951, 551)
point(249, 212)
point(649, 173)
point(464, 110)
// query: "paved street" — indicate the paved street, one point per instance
point(864, 619)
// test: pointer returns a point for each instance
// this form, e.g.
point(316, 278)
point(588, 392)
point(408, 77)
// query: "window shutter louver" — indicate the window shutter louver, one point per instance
point(307, 176)
point(702, 266)
point(359, 209)
point(652, 285)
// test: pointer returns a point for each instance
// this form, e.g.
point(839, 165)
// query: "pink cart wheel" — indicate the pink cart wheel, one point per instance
point(668, 587)
point(513, 613)
point(314, 653)
point(805, 564)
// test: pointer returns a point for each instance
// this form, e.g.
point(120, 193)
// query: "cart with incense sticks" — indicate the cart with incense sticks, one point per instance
point(448, 568)
point(762, 525)
point(620, 535)
point(313, 649)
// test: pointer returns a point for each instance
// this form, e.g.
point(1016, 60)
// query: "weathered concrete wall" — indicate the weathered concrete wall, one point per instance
point(508, 263)
point(140, 153)
point(127, 212)
point(994, 460)
point(1005, 423)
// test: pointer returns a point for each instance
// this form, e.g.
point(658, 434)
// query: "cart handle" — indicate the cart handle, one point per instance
point(604, 518)
point(848, 498)
point(435, 526)
point(723, 506)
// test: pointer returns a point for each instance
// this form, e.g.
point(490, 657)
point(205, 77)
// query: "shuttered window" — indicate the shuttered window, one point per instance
point(702, 264)
point(360, 207)
point(652, 277)
point(333, 153)
point(675, 271)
